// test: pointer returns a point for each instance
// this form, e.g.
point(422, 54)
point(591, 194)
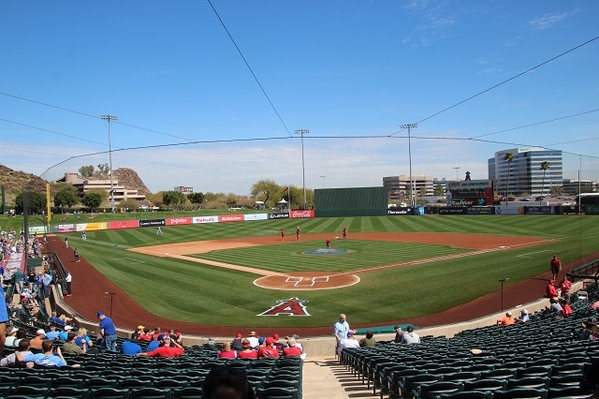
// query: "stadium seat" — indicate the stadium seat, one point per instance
point(529, 383)
point(569, 393)
point(485, 385)
point(521, 393)
point(467, 395)
point(150, 393)
point(431, 391)
point(108, 393)
point(68, 392)
point(278, 393)
point(188, 393)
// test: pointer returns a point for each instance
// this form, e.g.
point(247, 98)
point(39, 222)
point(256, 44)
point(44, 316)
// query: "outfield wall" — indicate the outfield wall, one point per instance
point(307, 214)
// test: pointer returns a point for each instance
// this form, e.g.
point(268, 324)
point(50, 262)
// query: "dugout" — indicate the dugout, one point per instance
point(353, 201)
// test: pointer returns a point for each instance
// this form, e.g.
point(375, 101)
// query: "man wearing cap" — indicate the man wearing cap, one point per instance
point(107, 331)
point(64, 334)
point(53, 333)
point(410, 337)
point(349, 342)
point(555, 266)
point(165, 349)
point(550, 291)
point(253, 338)
point(236, 344)
point(524, 316)
point(36, 343)
point(292, 348)
point(506, 320)
point(138, 332)
point(268, 350)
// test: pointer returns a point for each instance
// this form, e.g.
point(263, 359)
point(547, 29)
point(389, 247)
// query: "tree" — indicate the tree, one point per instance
point(67, 196)
point(196, 199)
point(556, 190)
point(37, 202)
point(439, 190)
point(544, 166)
point(103, 169)
point(422, 191)
point(129, 204)
point(509, 157)
point(86, 171)
point(265, 190)
point(175, 198)
point(92, 200)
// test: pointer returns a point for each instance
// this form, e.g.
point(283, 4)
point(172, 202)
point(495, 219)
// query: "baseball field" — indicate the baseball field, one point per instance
point(388, 269)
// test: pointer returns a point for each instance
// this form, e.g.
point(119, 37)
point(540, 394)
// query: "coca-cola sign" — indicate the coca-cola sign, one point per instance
point(205, 219)
point(230, 218)
point(178, 221)
point(303, 214)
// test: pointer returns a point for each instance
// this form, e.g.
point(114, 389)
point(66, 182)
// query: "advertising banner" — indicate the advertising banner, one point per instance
point(301, 214)
point(480, 210)
point(451, 210)
point(92, 226)
point(37, 230)
point(508, 210)
point(178, 221)
point(230, 218)
point(591, 210)
point(278, 216)
point(204, 219)
point(538, 210)
point(255, 216)
point(65, 228)
point(152, 222)
point(404, 210)
point(123, 224)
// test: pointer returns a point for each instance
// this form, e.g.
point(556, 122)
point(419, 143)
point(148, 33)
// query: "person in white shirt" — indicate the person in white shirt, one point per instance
point(349, 342)
point(411, 337)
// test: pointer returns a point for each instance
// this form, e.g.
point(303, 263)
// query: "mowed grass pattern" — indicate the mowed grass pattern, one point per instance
point(195, 292)
point(289, 257)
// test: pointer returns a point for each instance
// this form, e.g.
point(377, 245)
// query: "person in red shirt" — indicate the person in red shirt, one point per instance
point(328, 242)
point(165, 349)
point(268, 350)
point(565, 287)
point(555, 266)
point(566, 309)
point(550, 291)
point(247, 352)
point(298, 233)
point(282, 234)
point(292, 348)
point(227, 352)
point(344, 232)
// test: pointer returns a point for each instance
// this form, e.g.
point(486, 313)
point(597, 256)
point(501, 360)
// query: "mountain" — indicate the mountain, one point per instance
point(130, 179)
point(15, 181)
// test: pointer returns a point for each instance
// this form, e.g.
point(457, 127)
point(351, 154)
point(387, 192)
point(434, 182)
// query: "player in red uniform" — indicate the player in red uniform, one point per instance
point(298, 233)
point(344, 233)
point(282, 234)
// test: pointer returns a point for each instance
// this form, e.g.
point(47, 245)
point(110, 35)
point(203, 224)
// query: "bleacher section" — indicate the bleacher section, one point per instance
point(542, 358)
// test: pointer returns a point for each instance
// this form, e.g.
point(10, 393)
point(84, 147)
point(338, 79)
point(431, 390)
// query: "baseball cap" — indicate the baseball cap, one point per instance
point(261, 340)
point(291, 342)
point(350, 334)
point(397, 328)
point(164, 337)
point(275, 336)
point(68, 328)
point(40, 332)
point(270, 341)
point(509, 313)
point(100, 313)
point(252, 333)
point(524, 311)
point(140, 327)
point(239, 335)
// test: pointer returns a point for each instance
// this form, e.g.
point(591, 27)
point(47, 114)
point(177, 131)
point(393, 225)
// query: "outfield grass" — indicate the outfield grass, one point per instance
point(200, 293)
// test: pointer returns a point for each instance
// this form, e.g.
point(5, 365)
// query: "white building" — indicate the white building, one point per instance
point(399, 186)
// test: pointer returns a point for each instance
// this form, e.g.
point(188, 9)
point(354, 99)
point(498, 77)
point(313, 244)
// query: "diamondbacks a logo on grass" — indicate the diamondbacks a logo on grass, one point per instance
point(290, 307)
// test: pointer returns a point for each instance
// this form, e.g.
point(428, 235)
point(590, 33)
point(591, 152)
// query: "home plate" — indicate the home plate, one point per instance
point(336, 237)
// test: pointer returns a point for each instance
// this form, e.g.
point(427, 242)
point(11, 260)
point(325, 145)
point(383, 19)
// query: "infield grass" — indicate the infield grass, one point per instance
point(200, 293)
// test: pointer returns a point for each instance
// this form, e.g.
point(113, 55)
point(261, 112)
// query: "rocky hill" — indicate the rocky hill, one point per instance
point(15, 181)
point(130, 179)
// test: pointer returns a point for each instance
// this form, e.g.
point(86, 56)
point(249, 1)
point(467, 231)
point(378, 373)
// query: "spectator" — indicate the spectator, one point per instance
point(595, 304)
point(71, 347)
point(139, 331)
point(84, 342)
point(349, 342)
point(550, 291)
point(368, 340)
point(11, 336)
point(145, 336)
point(268, 350)
point(130, 348)
point(64, 334)
point(48, 358)
point(411, 337)
point(524, 316)
point(18, 357)
point(506, 320)
point(247, 351)
point(565, 287)
point(224, 383)
point(165, 349)
point(107, 331)
point(21, 334)
point(237, 342)
point(292, 349)
point(398, 335)
point(55, 319)
point(253, 338)
point(36, 343)
point(52, 334)
point(566, 309)
point(589, 331)
point(554, 307)
point(227, 352)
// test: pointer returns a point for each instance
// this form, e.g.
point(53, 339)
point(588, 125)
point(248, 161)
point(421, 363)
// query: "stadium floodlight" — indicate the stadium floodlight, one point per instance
point(410, 126)
point(457, 168)
point(109, 118)
point(302, 132)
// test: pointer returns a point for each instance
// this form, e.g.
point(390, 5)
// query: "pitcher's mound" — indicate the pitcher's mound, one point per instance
point(307, 281)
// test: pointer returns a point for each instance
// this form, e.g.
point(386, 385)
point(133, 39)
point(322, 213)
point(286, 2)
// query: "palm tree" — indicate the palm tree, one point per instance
point(509, 157)
point(544, 166)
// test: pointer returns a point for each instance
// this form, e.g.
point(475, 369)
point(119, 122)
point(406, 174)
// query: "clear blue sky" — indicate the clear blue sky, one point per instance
point(343, 69)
